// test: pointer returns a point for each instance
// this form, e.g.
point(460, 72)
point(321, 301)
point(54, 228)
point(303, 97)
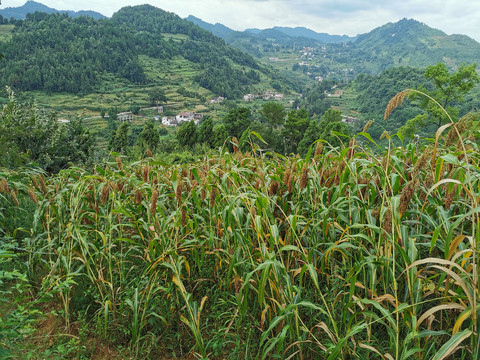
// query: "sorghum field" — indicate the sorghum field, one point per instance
point(353, 253)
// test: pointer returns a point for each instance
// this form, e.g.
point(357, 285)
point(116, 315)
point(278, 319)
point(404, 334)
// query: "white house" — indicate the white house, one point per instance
point(185, 116)
point(169, 121)
point(248, 97)
point(218, 99)
point(125, 116)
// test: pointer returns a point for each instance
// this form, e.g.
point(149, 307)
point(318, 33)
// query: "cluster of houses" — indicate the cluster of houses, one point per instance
point(128, 115)
point(266, 95)
point(181, 118)
point(166, 120)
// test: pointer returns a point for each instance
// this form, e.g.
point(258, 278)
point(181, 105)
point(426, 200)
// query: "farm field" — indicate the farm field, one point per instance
point(347, 253)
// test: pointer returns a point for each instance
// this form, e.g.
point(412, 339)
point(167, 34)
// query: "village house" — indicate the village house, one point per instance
point(169, 121)
point(218, 99)
point(185, 116)
point(270, 94)
point(125, 116)
point(249, 97)
point(181, 118)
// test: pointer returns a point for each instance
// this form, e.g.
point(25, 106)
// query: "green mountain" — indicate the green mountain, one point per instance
point(411, 43)
point(56, 53)
point(32, 6)
point(218, 29)
point(404, 43)
point(302, 32)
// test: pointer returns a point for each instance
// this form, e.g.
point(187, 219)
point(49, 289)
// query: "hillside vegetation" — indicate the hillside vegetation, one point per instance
point(73, 55)
point(342, 254)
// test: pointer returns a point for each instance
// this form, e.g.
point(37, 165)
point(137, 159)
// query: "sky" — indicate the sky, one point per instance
point(336, 17)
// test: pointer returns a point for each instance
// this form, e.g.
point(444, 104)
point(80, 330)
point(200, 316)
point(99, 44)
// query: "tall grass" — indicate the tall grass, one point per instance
point(344, 254)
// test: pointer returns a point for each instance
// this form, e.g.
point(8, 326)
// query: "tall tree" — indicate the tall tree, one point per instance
point(273, 113)
point(187, 134)
point(237, 121)
point(332, 121)
point(449, 88)
point(149, 138)
point(119, 141)
point(205, 132)
point(293, 129)
point(28, 135)
point(219, 135)
point(157, 96)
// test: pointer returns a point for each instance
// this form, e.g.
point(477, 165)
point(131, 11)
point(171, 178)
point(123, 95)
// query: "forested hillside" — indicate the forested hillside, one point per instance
point(72, 55)
point(373, 93)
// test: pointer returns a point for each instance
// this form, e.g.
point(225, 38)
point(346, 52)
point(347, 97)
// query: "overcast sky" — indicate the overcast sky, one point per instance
point(338, 17)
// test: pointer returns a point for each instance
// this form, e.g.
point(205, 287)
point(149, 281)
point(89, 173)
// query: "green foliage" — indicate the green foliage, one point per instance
point(449, 89)
point(312, 134)
point(56, 53)
point(187, 134)
point(412, 126)
point(273, 113)
point(119, 140)
point(28, 135)
point(135, 109)
point(219, 135)
point(375, 91)
point(149, 138)
point(190, 258)
point(237, 121)
point(294, 129)
point(157, 96)
point(331, 122)
point(205, 132)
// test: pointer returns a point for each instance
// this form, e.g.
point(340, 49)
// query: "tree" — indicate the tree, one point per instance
point(205, 132)
point(273, 113)
point(25, 134)
point(330, 116)
point(219, 135)
point(119, 140)
point(112, 113)
point(135, 109)
point(28, 135)
point(237, 121)
point(72, 145)
point(448, 89)
point(157, 96)
point(293, 129)
point(332, 121)
point(187, 134)
point(148, 138)
point(311, 135)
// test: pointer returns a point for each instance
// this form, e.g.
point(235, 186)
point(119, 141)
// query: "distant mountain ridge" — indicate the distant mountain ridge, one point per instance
point(30, 7)
point(218, 29)
point(303, 32)
point(225, 32)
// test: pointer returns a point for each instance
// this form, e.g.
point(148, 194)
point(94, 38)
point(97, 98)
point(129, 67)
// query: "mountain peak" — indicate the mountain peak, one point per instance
point(32, 6)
